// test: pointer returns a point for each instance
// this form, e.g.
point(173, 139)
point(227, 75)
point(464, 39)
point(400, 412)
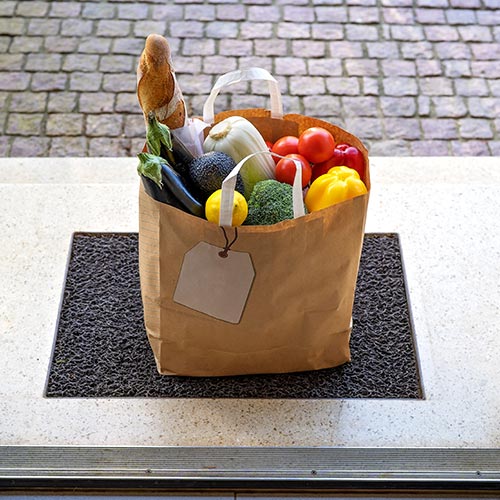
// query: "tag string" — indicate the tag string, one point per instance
point(227, 246)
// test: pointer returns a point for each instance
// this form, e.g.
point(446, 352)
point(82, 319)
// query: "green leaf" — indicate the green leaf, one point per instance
point(157, 134)
point(150, 166)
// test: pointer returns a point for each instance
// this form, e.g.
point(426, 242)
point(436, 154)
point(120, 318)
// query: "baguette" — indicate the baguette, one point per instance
point(157, 87)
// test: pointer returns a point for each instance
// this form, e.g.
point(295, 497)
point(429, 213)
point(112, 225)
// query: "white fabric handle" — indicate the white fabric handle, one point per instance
point(243, 75)
point(229, 185)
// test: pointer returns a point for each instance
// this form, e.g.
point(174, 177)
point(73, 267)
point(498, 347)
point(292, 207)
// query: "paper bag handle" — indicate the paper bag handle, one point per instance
point(229, 185)
point(242, 75)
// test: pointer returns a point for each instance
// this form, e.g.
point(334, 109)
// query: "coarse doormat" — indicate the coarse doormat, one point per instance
point(101, 348)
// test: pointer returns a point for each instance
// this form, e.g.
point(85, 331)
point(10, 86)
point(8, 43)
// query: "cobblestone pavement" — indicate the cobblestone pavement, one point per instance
point(410, 77)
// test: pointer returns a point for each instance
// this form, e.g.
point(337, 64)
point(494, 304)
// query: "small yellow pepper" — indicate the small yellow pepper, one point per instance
point(339, 184)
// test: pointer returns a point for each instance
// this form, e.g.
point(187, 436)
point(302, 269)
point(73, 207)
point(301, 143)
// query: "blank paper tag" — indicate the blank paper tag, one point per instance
point(215, 285)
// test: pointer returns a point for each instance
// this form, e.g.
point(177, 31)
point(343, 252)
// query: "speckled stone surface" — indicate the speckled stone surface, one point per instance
point(445, 211)
point(101, 348)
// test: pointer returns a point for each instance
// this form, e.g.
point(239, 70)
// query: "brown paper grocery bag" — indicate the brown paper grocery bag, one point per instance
point(297, 313)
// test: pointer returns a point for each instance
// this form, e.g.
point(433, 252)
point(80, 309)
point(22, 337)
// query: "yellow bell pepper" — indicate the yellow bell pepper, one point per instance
point(339, 184)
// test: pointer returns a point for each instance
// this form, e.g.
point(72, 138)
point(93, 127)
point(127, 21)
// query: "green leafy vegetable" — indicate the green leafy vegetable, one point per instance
point(150, 166)
point(157, 134)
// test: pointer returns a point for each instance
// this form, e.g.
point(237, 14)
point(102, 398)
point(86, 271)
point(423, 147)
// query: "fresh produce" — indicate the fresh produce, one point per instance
point(271, 202)
point(316, 144)
point(343, 155)
point(286, 145)
point(209, 170)
point(238, 138)
point(240, 208)
point(286, 169)
point(339, 184)
point(156, 168)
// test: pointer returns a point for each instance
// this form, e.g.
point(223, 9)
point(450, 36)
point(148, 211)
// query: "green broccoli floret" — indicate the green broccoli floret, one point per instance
point(270, 202)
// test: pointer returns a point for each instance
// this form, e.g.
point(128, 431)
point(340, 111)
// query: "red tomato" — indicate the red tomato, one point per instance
point(316, 144)
point(269, 145)
point(285, 169)
point(285, 146)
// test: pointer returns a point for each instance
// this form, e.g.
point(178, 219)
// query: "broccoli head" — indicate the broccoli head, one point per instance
point(270, 202)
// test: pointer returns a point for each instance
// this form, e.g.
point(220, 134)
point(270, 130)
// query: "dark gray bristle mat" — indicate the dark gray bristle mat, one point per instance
point(101, 348)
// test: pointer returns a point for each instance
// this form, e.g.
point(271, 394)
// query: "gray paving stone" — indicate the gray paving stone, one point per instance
point(5, 142)
point(117, 63)
point(473, 87)
point(449, 107)
point(61, 44)
point(32, 9)
point(26, 44)
point(324, 67)
point(48, 81)
point(411, 76)
point(43, 62)
point(230, 12)
point(398, 106)
point(361, 67)
point(402, 128)
point(12, 62)
point(470, 148)
point(475, 128)
point(62, 102)
point(67, 124)
point(80, 81)
point(397, 15)
point(98, 10)
point(435, 85)
point(25, 124)
point(308, 49)
point(110, 147)
point(99, 102)
point(132, 11)
point(68, 146)
point(96, 45)
point(43, 27)
point(429, 67)
point(80, 62)
point(346, 49)
point(222, 30)
point(343, 86)
point(475, 33)
point(485, 69)
point(65, 9)
point(133, 126)
point(321, 105)
point(7, 8)
point(430, 16)
point(442, 128)
point(28, 102)
point(113, 28)
point(457, 69)
point(398, 67)
point(256, 30)
point(327, 31)
point(119, 82)
point(400, 86)
point(360, 106)
point(390, 148)
point(430, 148)
point(34, 146)
point(104, 125)
point(331, 14)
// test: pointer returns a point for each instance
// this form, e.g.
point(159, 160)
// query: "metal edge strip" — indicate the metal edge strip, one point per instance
point(255, 468)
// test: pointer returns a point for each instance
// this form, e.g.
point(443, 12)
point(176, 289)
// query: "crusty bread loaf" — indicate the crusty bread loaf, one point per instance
point(157, 87)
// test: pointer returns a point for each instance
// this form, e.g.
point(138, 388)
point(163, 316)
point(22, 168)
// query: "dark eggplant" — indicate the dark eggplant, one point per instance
point(161, 194)
point(173, 181)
